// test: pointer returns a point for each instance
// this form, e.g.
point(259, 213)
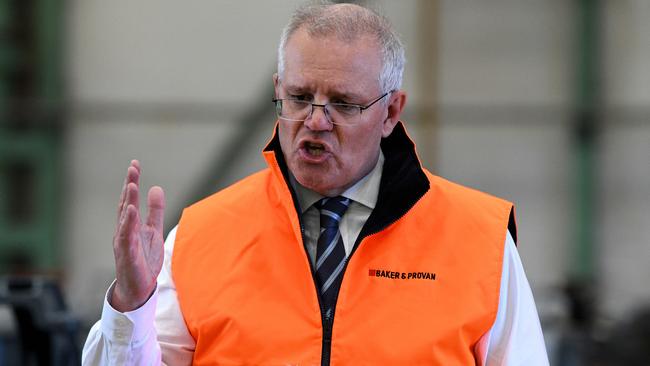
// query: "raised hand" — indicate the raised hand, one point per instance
point(137, 245)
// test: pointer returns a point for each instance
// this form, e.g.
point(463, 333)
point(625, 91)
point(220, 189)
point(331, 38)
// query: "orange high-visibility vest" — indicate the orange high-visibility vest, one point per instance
point(421, 291)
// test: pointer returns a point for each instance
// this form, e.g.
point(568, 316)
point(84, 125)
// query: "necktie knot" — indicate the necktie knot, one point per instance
point(331, 210)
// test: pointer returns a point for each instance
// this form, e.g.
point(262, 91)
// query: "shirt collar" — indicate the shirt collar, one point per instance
point(365, 191)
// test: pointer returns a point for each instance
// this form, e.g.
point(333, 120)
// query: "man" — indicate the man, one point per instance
point(344, 251)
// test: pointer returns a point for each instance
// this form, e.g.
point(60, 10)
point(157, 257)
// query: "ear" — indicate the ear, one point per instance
point(396, 104)
point(276, 83)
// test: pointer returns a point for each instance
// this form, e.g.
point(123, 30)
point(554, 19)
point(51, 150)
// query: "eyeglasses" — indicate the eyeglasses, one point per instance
point(343, 114)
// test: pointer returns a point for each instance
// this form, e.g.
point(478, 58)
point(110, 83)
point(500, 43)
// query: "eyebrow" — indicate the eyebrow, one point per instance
point(294, 89)
point(355, 98)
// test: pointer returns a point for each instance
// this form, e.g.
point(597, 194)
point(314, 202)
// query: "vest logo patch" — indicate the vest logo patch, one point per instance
point(394, 275)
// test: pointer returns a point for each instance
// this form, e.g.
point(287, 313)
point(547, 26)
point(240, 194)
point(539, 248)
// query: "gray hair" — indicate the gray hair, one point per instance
point(348, 22)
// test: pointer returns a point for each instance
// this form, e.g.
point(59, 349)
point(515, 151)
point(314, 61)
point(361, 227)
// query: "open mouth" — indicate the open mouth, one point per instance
point(314, 148)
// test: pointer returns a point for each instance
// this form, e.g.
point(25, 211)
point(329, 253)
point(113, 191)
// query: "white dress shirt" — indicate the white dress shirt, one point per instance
point(156, 332)
point(363, 197)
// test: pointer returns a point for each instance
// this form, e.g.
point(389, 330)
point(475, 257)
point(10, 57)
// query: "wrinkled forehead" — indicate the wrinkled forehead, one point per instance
point(316, 61)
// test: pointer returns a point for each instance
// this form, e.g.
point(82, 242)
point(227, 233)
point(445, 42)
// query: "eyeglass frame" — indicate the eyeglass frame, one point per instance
point(324, 106)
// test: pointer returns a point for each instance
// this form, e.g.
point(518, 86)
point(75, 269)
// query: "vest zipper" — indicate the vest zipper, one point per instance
point(327, 338)
point(326, 319)
point(325, 361)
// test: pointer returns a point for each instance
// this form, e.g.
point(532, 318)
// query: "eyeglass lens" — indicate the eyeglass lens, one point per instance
point(300, 110)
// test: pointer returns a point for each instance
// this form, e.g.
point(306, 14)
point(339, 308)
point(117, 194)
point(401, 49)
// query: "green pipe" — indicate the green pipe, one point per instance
point(585, 131)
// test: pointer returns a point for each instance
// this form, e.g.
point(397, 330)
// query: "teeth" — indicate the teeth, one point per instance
point(314, 149)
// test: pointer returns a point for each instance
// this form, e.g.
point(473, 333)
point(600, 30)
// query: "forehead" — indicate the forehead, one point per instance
point(329, 64)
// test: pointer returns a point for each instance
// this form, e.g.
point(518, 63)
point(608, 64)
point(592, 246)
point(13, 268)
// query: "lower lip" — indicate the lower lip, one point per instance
point(311, 158)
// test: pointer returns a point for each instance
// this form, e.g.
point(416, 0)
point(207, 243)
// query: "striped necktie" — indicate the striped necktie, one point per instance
point(330, 252)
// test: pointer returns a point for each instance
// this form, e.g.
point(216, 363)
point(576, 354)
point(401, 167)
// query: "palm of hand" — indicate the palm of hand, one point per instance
point(137, 245)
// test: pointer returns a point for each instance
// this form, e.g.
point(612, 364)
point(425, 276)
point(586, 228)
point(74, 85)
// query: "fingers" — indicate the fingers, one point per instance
point(156, 208)
point(132, 197)
point(130, 223)
point(130, 212)
point(129, 205)
point(132, 176)
point(130, 202)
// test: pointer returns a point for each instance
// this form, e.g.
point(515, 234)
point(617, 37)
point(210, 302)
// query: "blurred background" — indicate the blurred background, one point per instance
point(545, 103)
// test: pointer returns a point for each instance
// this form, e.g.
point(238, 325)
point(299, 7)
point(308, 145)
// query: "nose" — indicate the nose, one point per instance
point(318, 120)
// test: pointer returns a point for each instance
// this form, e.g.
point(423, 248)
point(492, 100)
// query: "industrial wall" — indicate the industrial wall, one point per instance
point(169, 82)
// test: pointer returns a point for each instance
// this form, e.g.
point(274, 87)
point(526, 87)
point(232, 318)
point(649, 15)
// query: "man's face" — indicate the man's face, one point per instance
point(323, 157)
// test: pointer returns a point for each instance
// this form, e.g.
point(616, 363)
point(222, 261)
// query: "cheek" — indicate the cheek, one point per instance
point(286, 135)
point(361, 147)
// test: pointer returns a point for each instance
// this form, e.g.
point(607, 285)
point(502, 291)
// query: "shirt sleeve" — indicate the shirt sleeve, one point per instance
point(516, 336)
point(154, 334)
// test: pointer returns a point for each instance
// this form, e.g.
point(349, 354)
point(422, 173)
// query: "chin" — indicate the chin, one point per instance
point(315, 184)
point(318, 178)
